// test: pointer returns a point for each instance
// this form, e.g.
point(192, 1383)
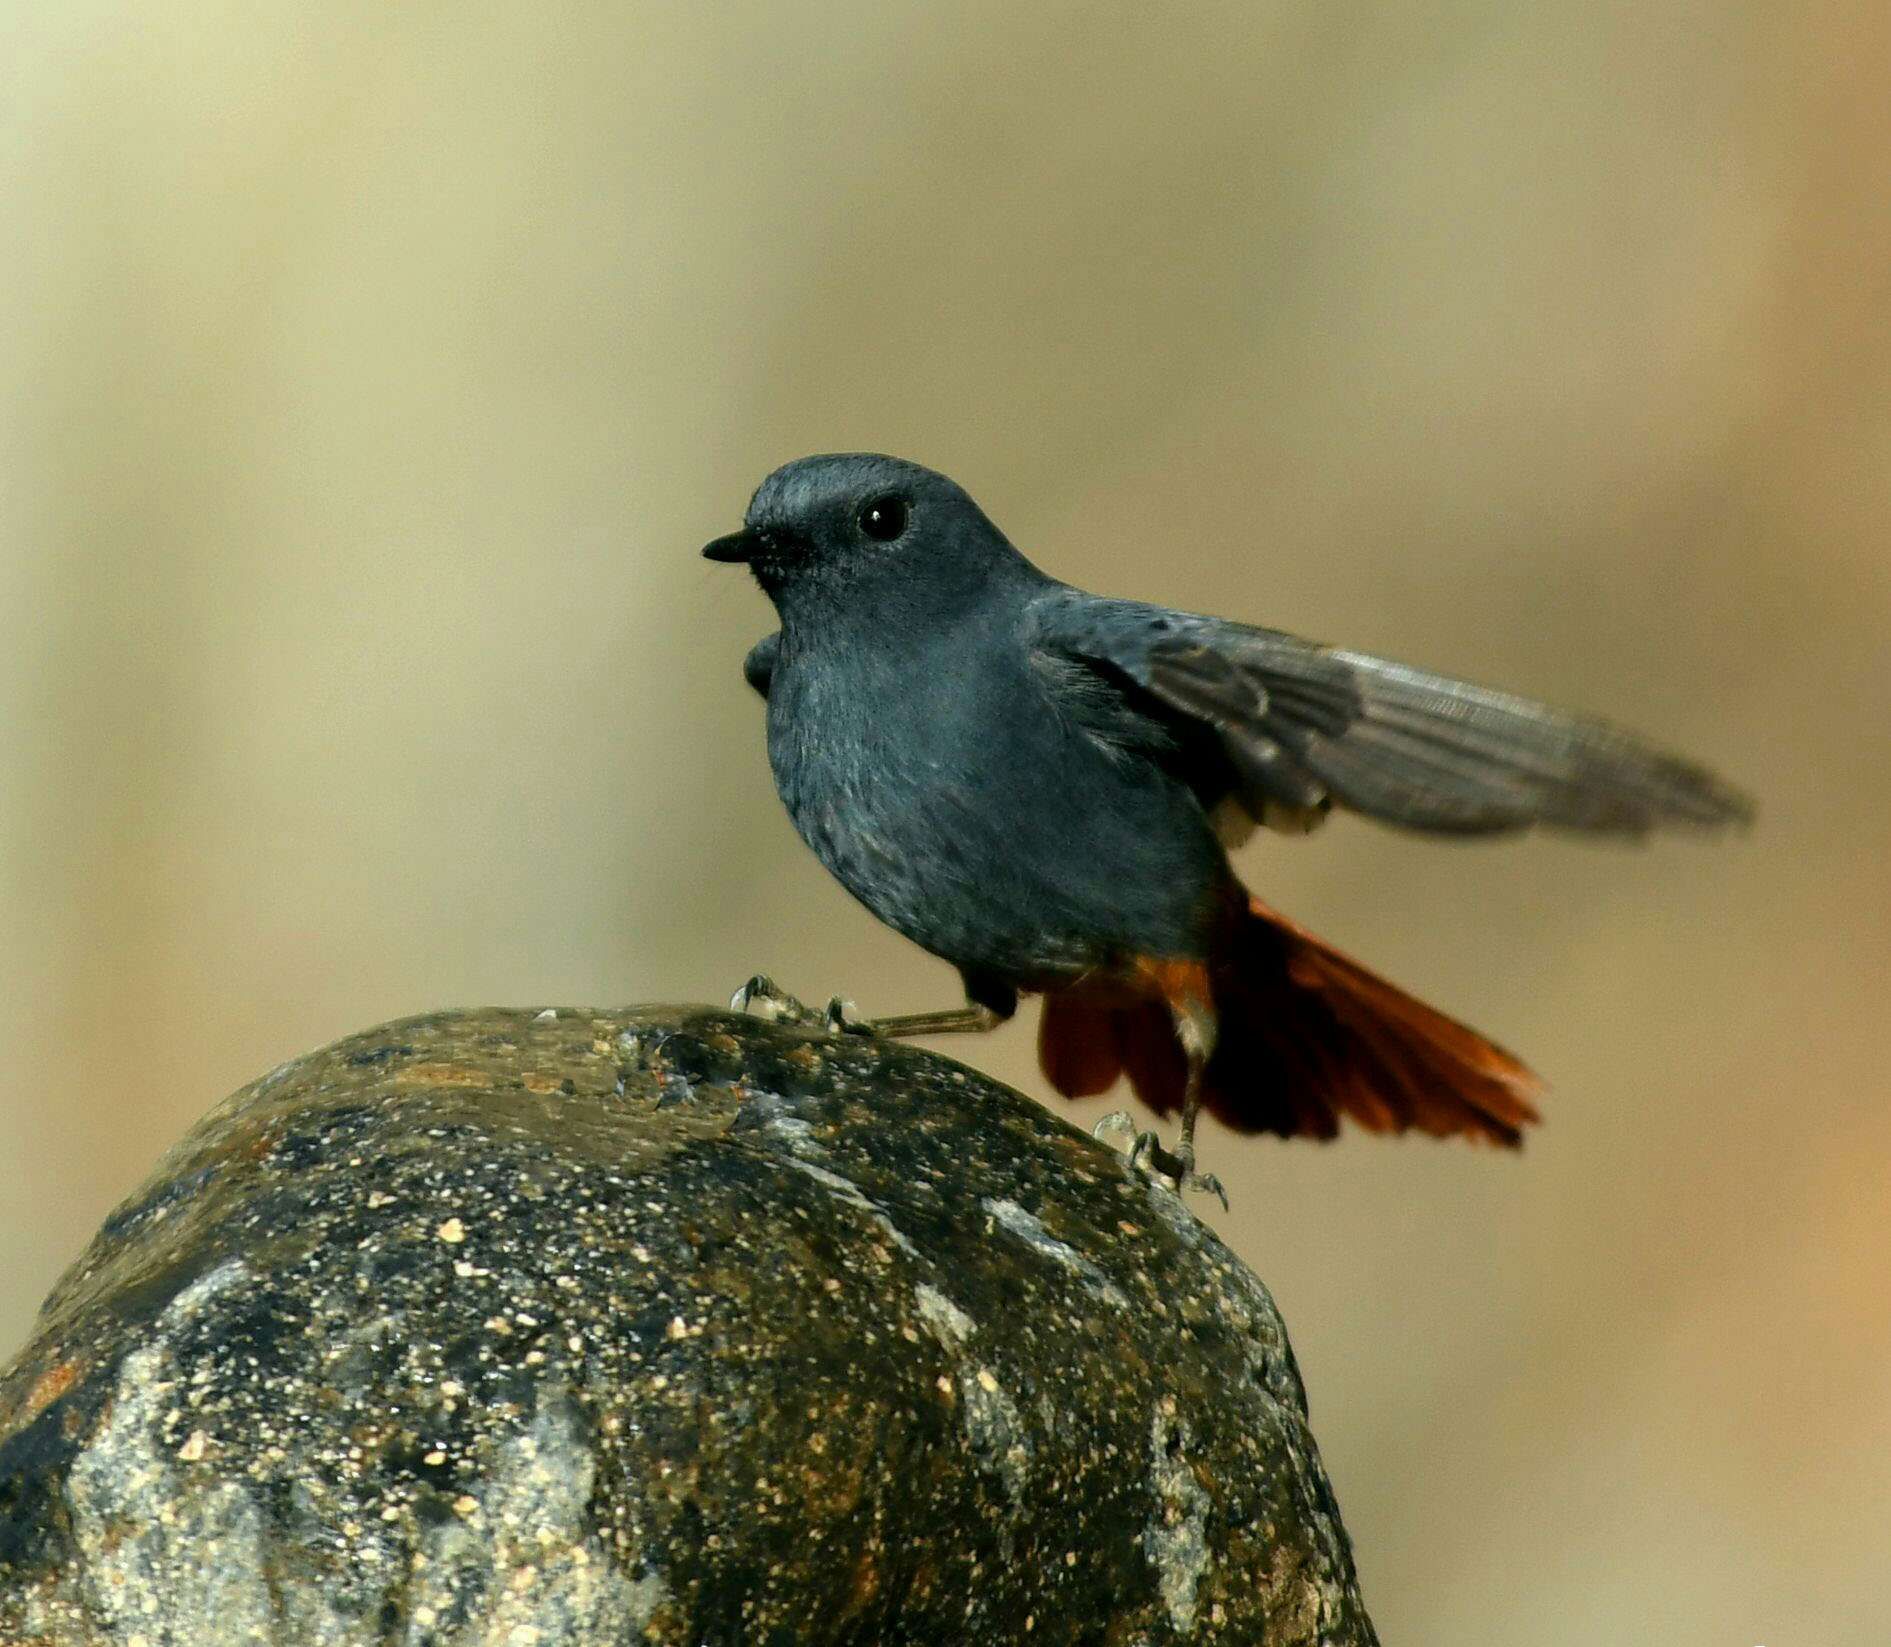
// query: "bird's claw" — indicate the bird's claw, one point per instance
point(842, 1017)
point(1208, 1184)
point(761, 997)
point(1119, 1123)
point(1146, 1154)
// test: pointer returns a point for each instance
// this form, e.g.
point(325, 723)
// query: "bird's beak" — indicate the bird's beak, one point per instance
point(738, 547)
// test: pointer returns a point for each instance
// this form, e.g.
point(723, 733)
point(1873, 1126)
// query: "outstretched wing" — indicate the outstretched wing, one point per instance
point(1302, 726)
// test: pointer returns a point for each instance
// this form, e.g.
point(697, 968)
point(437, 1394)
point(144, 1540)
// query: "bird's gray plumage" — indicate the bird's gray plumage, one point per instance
point(1019, 775)
point(1028, 780)
point(758, 668)
point(1303, 725)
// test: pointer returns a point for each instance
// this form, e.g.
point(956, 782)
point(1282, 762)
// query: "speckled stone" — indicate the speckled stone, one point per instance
point(663, 1325)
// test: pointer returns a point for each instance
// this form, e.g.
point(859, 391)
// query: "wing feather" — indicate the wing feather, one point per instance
point(1302, 725)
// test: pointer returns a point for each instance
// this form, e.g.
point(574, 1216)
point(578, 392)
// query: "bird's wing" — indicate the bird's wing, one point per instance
point(758, 668)
point(1302, 726)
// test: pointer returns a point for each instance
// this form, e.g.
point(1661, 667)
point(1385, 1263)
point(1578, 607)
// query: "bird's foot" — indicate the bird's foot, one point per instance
point(1146, 1153)
point(842, 1017)
point(1118, 1124)
point(762, 997)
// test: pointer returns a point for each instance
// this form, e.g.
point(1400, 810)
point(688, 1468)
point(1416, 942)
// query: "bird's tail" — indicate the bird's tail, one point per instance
point(1304, 1035)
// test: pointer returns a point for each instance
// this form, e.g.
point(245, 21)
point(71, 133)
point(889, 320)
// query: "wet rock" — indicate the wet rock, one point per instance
point(568, 1329)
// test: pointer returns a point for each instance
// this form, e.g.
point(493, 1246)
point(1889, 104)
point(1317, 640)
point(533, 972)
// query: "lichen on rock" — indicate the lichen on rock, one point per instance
point(575, 1328)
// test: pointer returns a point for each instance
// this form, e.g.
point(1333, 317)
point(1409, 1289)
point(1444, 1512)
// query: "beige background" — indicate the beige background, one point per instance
point(371, 374)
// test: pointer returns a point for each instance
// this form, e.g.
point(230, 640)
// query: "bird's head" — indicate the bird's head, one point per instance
point(857, 531)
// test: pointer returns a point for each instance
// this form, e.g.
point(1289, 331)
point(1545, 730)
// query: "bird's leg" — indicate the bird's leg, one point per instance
point(970, 1019)
point(842, 1017)
point(1188, 1178)
point(1146, 1151)
point(764, 998)
point(989, 1002)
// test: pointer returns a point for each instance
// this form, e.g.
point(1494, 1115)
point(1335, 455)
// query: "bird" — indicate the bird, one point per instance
point(1041, 786)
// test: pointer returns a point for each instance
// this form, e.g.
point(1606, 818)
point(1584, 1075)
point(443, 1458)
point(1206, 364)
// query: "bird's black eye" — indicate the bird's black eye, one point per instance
point(883, 519)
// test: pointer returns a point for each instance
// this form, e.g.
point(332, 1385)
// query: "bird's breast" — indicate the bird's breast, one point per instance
point(954, 801)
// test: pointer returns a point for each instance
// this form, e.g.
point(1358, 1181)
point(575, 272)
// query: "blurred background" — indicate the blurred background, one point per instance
point(372, 374)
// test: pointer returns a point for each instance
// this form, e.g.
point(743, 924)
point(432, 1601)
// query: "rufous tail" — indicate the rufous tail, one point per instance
point(1304, 1035)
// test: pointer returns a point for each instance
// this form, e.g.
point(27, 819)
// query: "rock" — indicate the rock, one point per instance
point(665, 1325)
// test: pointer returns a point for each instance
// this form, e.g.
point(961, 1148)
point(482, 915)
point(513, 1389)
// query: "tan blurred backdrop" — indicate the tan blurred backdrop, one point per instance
point(370, 375)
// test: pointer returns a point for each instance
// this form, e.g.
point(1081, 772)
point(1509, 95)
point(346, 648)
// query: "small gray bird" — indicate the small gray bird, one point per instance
point(1040, 785)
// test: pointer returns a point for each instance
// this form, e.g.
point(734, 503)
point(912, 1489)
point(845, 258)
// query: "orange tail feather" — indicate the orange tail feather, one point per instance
point(1304, 1036)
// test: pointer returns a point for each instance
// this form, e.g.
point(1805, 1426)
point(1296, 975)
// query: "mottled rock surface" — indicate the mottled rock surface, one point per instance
point(602, 1327)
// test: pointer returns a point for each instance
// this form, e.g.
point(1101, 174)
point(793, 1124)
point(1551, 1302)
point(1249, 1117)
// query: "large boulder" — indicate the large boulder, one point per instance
point(660, 1325)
